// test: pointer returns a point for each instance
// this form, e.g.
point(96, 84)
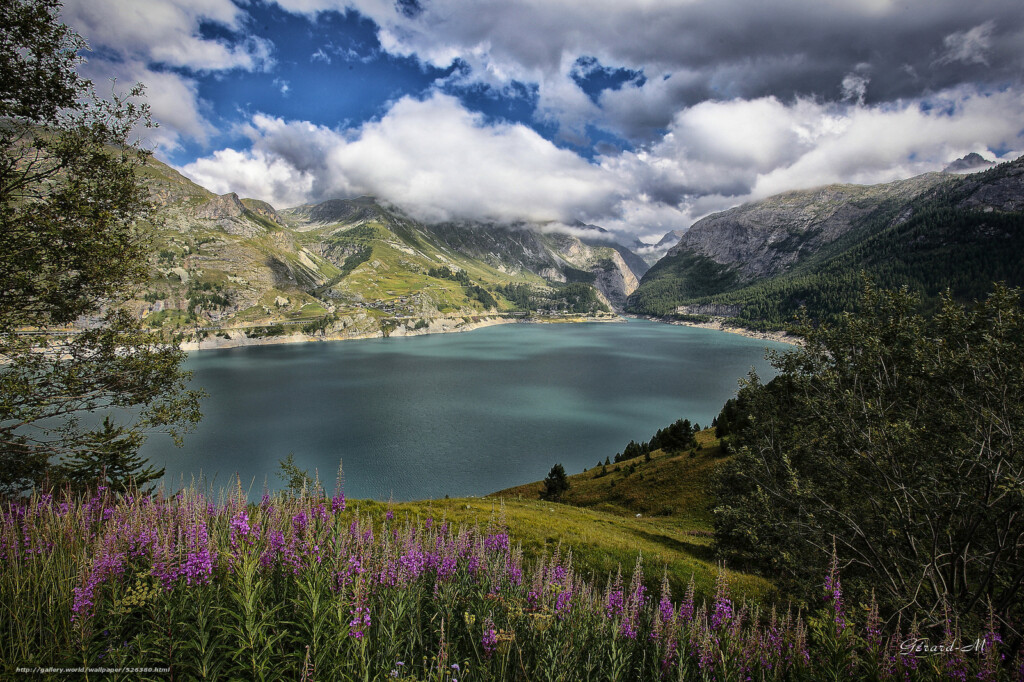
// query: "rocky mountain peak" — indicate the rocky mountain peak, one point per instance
point(971, 163)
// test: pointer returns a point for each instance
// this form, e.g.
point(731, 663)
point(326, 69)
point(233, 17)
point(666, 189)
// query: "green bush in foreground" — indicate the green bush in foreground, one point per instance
point(897, 440)
point(302, 588)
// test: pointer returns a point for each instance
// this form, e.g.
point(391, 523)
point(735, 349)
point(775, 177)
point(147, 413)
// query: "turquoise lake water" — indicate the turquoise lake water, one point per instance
point(457, 414)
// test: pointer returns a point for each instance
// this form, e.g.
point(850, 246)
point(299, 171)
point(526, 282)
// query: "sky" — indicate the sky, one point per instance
point(640, 116)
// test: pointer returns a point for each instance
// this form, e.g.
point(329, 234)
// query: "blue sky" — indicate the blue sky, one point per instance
point(638, 115)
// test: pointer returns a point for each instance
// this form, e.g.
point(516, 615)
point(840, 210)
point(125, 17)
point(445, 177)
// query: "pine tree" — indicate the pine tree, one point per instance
point(555, 484)
point(110, 457)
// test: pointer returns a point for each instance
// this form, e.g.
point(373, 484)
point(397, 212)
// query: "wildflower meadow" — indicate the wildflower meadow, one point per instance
point(308, 587)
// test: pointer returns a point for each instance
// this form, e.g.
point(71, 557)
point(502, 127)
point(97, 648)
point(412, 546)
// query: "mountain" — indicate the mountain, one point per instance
point(761, 261)
point(971, 163)
point(238, 266)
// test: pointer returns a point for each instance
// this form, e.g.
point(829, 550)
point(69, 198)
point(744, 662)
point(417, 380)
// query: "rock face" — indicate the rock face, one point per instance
point(1005, 193)
point(555, 256)
point(263, 209)
point(766, 237)
point(228, 212)
point(220, 207)
point(616, 283)
point(971, 163)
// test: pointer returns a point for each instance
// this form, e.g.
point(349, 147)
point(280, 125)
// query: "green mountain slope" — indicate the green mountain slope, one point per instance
point(760, 262)
point(233, 267)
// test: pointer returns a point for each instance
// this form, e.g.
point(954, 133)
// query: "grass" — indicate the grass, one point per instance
point(672, 485)
point(660, 509)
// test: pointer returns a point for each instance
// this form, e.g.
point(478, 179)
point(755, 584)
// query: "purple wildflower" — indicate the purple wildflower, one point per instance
point(240, 528)
point(490, 637)
point(360, 622)
point(723, 605)
point(834, 593)
point(686, 609)
point(300, 522)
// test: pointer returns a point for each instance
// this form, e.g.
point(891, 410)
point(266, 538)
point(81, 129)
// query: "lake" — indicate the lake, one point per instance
point(456, 414)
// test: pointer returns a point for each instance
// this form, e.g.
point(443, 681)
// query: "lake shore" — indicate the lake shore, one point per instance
point(441, 325)
point(721, 324)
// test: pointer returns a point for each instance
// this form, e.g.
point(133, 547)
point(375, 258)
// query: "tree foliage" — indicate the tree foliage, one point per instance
point(676, 437)
point(897, 438)
point(555, 484)
point(70, 249)
point(296, 479)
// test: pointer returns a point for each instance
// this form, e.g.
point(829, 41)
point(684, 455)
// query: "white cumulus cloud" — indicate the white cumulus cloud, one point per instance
point(438, 161)
point(134, 40)
point(431, 157)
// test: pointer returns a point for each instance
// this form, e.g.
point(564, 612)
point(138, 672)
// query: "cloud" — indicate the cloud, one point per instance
point(158, 42)
point(168, 32)
point(702, 49)
point(431, 157)
point(438, 161)
point(173, 99)
point(969, 47)
point(254, 174)
point(855, 84)
point(720, 154)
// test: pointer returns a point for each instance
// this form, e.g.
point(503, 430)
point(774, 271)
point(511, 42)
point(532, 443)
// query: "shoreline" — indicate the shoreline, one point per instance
point(451, 325)
point(444, 325)
point(719, 324)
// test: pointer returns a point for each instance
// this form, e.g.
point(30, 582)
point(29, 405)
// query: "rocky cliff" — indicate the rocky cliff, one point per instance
point(767, 237)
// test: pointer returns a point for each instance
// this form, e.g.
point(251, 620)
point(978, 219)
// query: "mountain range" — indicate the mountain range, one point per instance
point(234, 267)
point(759, 263)
point(239, 268)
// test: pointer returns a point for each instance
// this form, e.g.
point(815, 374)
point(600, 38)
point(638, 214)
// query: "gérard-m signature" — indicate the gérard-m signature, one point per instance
point(920, 646)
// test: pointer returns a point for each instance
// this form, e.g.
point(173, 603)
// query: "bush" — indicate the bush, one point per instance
point(899, 439)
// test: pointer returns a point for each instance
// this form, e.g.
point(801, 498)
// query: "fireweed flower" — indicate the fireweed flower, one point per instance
point(563, 603)
point(615, 601)
point(496, 543)
point(723, 605)
point(686, 608)
point(300, 522)
point(240, 528)
point(490, 637)
point(360, 622)
point(834, 593)
point(873, 627)
point(272, 552)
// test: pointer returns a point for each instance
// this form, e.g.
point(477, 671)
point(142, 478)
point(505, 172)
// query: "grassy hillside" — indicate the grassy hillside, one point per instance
point(660, 508)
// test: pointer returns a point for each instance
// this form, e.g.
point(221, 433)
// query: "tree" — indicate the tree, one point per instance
point(555, 484)
point(71, 248)
point(897, 439)
point(296, 479)
point(110, 458)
